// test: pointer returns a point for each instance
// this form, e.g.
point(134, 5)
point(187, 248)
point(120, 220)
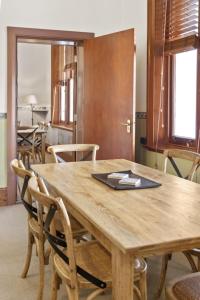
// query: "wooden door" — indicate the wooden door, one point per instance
point(109, 94)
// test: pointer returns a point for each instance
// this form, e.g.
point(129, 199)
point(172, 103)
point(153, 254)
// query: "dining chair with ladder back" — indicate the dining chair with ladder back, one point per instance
point(171, 155)
point(80, 266)
point(35, 225)
point(91, 149)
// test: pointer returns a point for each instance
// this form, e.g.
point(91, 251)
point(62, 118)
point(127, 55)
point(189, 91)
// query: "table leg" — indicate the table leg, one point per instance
point(43, 148)
point(122, 275)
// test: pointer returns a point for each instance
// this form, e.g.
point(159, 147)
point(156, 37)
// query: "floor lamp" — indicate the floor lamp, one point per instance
point(31, 100)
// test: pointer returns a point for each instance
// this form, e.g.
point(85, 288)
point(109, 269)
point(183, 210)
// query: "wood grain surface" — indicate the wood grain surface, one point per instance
point(145, 221)
point(109, 94)
point(128, 223)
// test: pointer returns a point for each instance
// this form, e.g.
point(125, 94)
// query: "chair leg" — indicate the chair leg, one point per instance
point(95, 293)
point(28, 157)
point(47, 256)
point(41, 268)
point(24, 159)
point(54, 285)
point(198, 263)
point(39, 156)
point(191, 261)
point(72, 293)
point(163, 273)
point(143, 285)
point(29, 254)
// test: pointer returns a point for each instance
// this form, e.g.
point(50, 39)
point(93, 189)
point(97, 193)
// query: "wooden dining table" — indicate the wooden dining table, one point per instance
point(128, 223)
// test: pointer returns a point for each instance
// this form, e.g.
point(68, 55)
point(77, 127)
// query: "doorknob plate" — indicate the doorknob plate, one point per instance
point(128, 125)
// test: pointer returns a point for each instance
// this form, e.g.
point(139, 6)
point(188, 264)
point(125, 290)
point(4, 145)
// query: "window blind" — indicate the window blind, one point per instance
point(182, 19)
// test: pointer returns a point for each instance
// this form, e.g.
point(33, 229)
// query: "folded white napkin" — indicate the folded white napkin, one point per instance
point(118, 175)
point(130, 181)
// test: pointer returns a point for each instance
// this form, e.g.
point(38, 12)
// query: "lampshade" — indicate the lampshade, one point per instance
point(30, 99)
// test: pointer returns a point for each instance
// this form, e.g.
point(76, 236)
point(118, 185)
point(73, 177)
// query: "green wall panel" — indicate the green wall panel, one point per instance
point(156, 160)
point(3, 153)
point(143, 156)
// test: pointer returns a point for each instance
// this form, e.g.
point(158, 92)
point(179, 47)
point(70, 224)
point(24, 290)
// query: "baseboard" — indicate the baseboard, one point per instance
point(3, 196)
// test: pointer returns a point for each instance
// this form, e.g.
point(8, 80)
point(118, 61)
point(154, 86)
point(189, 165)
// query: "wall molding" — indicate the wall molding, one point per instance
point(3, 115)
point(3, 196)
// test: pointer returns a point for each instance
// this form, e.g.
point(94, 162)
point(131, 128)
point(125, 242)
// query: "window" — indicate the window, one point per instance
point(63, 103)
point(184, 95)
point(63, 85)
point(173, 74)
point(66, 99)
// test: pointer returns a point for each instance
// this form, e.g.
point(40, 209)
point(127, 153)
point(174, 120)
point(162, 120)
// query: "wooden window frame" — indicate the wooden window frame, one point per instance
point(56, 85)
point(181, 141)
point(56, 117)
point(159, 139)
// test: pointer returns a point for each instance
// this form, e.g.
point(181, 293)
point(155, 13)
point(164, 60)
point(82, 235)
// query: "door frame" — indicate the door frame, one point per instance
point(13, 35)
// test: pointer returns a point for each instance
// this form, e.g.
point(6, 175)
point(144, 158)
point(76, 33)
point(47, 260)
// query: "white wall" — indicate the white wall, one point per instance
point(96, 16)
point(34, 72)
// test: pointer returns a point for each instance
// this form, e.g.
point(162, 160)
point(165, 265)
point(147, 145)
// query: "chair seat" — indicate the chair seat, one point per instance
point(185, 288)
point(94, 259)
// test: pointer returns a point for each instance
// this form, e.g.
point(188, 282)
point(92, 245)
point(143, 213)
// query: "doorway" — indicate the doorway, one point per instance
point(106, 112)
point(14, 35)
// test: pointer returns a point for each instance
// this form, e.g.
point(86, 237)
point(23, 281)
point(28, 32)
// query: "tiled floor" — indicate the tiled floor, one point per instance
point(12, 254)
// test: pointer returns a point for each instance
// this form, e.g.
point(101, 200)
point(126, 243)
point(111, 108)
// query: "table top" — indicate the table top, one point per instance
point(29, 130)
point(146, 221)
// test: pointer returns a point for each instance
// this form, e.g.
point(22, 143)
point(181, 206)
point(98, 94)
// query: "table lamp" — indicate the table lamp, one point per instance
point(31, 100)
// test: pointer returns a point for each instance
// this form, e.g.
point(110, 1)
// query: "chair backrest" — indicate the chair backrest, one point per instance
point(73, 148)
point(44, 125)
point(171, 154)
point(45, 203)
point(19, 169)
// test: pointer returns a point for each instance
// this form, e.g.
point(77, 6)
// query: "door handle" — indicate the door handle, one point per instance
point(128, 125)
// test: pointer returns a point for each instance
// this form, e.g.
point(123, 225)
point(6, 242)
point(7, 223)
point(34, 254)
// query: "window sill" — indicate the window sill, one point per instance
point(161, 148)
point(63, 127)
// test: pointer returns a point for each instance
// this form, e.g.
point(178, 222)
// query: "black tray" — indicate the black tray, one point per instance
point(114, 183)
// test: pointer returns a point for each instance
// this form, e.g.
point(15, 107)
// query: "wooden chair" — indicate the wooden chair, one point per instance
point(35, 225)
point(84, 265)
point(184, 288)
point(26, 146)
point(194, 158)
point(171, 154)
point(35, 234)
point(38, 139)
point(91, 148)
